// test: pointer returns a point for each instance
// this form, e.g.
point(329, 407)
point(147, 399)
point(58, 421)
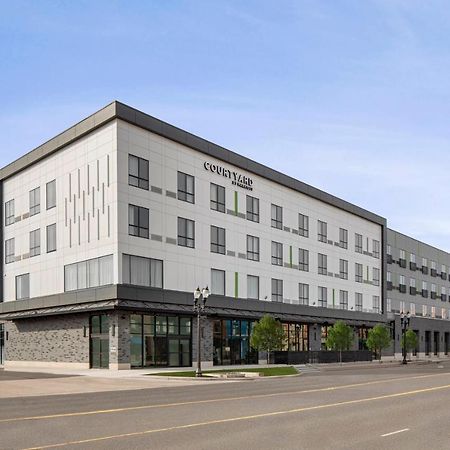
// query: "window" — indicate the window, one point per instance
point(252, 248)
point(343, 299)
point(217, 282)
point(376, 248)
point(217, 202)
point(138, 221)
point(35, 201)
point(402, 258)
point(10, 251)
point(388, 305)
point(303, 225)
point(376, 303)
point(388, 250)
point(412, 258)
point(277, 290)
point(9, 212)
point(186, 232)
point(401, 282)
point(252, 209)
point(23, 286)
point(141, 271)
point(358, 243)
point(358, 273)
point(412, 283)
point(186, 188)
point(389, 277)
point(50, 194)
point(343, 238)
point(35, 242)
point(217, 240)
point(321, 231)
point(322, 264)
point(412, 309)
point(322, 296)
point(303, 259)
point(277, 253)
point(87, 274)
point(277, 217)
point(253, 287)
point(358, 301)
point(343, 269)
point(303, 293)
point(138, 173)
point(51, 238)
point(376, 276)
point(424, 310)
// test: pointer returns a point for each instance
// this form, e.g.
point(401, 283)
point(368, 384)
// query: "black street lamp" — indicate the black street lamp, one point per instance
point(404, 321)
point(200, 297)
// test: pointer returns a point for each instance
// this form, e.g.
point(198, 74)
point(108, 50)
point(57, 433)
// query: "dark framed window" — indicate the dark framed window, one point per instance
point(186, 187)
point(343, 238)
point(376, 276)
point(252, 248)
point(35, 242)
point(9, 212)
point(138, 172)
point(358, 272)
point(50, 194)
point(343, 299)
point(277, 253)
point(322, 234)
point(358, 301)
point(51, 238)
point(217, 201)
point(88, 274)
point(186, 232)
point(303, 259)
point(303, 225)
point(10, 251)
point(343, 269)
point(277, 217)
point(252, 208)
point(35, 201)
point(303, 293)
point(376, 249)
point(217, 240)
point(322, 264)
point(277, 290)
point(138, 221)
point(358, 243)
point(376, 303)
point(141, 271)
point(322, 296)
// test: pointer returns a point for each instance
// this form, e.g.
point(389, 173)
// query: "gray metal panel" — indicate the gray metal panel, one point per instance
point(117, 110)
point(2, 249)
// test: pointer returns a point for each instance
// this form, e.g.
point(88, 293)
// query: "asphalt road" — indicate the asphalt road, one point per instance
point(375, 408)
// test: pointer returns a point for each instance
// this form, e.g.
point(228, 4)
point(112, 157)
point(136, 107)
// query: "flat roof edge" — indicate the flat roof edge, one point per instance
point(118, 110)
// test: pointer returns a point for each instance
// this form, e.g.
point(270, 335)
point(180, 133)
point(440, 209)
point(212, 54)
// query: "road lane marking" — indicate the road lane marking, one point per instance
point(395, 432)
point(241, 418)
point(214, 400)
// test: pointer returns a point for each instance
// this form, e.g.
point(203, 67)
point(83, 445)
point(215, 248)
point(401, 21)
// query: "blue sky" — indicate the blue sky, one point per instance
point(349, 96)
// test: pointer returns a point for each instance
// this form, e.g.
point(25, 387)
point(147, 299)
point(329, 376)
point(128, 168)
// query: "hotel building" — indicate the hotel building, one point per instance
point(109, 227)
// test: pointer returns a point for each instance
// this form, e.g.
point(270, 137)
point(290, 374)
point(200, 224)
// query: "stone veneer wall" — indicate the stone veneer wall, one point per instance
point(119, 340)
point(53, 339)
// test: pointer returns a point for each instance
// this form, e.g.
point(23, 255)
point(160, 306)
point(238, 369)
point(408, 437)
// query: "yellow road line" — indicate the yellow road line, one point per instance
point(226, 399)
point(241, 418)
point(307, 391)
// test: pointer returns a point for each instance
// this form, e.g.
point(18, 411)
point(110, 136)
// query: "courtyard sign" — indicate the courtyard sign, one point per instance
point(236, 178)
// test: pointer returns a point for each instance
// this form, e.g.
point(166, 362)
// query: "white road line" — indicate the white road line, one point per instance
point(395, 432)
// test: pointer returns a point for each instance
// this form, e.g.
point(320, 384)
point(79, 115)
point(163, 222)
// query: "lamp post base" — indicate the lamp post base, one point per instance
point(198, 373)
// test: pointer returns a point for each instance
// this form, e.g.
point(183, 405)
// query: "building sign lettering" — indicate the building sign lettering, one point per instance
point(236, 178)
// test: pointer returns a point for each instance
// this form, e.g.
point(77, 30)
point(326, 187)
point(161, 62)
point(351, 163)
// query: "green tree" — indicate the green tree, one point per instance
point(378, 338)
point(340, 337)
point(267, 335)
point(409, 341)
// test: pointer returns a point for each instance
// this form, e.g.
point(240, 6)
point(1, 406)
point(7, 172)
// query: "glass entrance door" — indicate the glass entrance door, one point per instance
point(99, 341)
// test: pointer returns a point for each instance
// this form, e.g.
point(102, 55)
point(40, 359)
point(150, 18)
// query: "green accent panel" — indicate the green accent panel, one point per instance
point(236, 284)
point(333, 296)
point(290, 255)
point(367, 273)
point(235, 202)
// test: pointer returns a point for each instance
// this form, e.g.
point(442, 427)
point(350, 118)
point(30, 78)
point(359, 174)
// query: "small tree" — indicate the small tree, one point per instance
point(378, 338)
point(340, 337)
point(267, 335)
point(409, 341)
